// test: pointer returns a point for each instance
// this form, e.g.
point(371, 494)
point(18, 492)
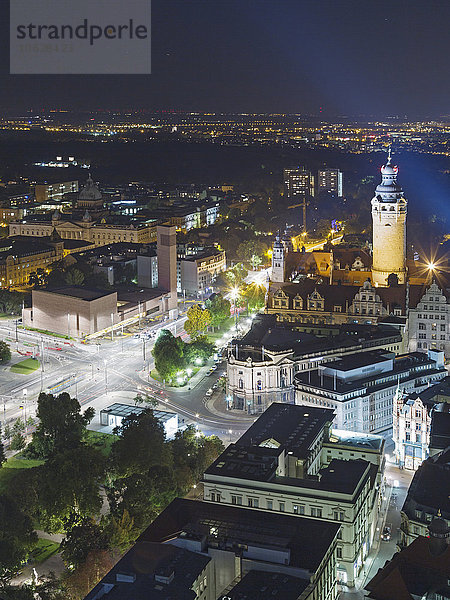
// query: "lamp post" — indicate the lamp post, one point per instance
point(106, 375)
point(25, 391)
point(234, 296)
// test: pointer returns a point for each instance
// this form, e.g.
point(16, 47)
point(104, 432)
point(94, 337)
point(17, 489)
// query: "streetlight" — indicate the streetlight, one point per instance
point(25, 391)
point(106, 375)
point(234, 295)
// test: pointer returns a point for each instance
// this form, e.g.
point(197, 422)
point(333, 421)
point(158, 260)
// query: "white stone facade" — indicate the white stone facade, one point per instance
point(429, 322)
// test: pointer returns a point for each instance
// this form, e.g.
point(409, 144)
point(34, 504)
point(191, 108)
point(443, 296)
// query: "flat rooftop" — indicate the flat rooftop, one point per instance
point(79, 292)
point(125, 410)
point(289, 426)
point(222, 526)
point(359, 360)
point(262, 585)
point(406, 367)
point(353, 439)
point(143, 564)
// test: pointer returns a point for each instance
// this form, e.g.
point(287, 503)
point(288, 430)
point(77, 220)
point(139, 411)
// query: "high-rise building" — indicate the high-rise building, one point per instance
point(55, 192)
point(389, 228)
point(330, 180)
point(298, 182)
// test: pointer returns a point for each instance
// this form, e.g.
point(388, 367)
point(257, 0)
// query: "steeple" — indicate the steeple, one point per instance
point(389, 208)
point(388, 190)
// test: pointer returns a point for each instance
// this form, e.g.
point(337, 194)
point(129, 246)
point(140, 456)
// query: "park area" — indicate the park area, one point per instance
point(25, 367)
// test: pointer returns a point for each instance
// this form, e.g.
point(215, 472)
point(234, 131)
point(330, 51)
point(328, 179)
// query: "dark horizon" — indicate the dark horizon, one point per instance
point(314, 58)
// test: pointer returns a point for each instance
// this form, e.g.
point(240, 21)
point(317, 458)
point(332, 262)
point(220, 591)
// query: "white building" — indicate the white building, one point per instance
point(413, 418)
point(262, 365)
point(290, 461)
point(429, 321)
point(361, 387)
point(113, 415)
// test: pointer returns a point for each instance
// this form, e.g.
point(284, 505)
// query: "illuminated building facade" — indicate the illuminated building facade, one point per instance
point(55, 192)
point(389, 208)
point(298, 182)
point(331, 181)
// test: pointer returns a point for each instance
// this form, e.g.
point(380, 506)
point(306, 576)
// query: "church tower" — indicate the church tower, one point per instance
point(278, 253)
point(389, 228)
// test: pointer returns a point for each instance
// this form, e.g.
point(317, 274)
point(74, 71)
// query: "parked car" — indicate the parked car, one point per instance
point(209, 393)
point(386, 535)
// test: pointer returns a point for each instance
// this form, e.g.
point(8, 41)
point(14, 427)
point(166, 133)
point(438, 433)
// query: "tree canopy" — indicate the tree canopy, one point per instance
point(168, 354)
point(62, 424)
point(17, 535)
point(5, 352)
point(219, 308)
point(198, 320)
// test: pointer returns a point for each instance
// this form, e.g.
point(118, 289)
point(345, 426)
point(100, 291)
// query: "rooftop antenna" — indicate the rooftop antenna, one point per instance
point(389, 154)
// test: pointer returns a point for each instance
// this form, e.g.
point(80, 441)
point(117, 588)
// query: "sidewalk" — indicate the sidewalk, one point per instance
point(192, 384)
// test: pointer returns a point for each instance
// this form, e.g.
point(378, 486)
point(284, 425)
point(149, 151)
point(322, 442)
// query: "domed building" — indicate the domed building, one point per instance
point(90, 198)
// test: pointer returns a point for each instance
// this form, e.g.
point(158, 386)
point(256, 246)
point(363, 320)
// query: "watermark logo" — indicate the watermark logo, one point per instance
point(85, 37)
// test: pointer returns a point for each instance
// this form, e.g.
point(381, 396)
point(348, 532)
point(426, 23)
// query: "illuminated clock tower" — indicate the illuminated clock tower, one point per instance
point(389, 228)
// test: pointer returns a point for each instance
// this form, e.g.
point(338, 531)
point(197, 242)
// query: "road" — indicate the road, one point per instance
point(397, 483)
point(98, 368)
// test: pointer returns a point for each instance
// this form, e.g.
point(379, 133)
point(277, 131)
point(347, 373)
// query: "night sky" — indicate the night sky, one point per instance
point(350, 57)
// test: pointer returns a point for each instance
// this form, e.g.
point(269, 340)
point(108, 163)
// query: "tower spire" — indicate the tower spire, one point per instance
point(389, 154)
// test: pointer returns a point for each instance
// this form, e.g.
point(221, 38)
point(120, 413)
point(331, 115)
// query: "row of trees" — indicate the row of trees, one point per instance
point(140, 475)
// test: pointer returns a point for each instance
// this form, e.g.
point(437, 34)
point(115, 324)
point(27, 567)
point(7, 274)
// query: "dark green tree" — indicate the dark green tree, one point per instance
point(62, 424)
point(219, 307)
point(141, 444)
point(119, 531)
point(17, 536)
point(69, 487)
point(200, 348)
point(48, 588)
point(168, 354)
point(74, 276)
point(5, 352)
point(81, 539)
point(18, 441)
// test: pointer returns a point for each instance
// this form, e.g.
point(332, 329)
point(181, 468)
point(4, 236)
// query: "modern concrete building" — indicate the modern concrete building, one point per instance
point(298, 182)
point(290, 461)
point(197, 272)
point(147, 269)
point(72, 311)
point(331, 181)
point(54, 192)
point(81, 312)
point(200, 551)
point(361, 387)
point(113, 415)
point(167, 264)
point(389, 208)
